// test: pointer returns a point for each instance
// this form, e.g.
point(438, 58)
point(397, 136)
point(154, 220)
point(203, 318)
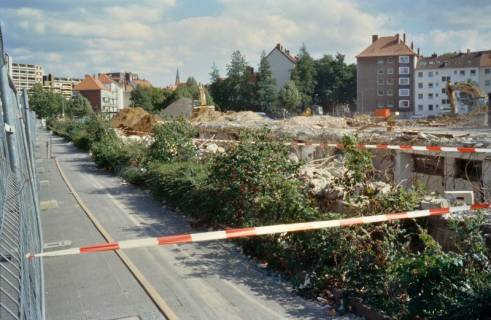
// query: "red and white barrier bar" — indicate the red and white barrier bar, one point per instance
point(255, 231)
point(375, 146)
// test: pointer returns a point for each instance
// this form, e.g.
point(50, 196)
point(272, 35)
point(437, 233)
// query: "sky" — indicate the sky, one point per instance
point(155, 37)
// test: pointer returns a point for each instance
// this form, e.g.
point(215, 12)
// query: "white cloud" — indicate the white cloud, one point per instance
point(149, 38)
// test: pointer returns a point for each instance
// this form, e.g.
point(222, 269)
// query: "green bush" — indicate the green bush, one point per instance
point(255, 183)
point(173, 141)
point(182, 185)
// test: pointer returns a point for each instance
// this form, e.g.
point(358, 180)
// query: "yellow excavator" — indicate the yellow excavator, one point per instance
point(479, 98)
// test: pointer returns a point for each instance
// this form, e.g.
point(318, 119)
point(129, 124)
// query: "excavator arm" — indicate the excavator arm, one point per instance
point(473, 90)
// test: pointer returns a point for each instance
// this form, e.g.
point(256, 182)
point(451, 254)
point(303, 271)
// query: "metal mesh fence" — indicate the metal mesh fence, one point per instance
point(21, 281)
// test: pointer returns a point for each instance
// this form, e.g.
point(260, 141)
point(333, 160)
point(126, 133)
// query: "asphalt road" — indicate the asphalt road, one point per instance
point(198, 281)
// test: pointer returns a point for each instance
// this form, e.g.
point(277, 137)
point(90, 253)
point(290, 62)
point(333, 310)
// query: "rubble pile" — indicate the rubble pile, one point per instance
point(322, 178)
point(135, 119)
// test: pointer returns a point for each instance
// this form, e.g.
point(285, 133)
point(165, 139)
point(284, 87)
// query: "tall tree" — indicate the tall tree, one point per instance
point(290, 97)
point(336, 81)
point(304, 76)
point(142, 97)
point(45, 102)
point(215, 73)
point(266, 87)
point(78, 106)
point(239, 85)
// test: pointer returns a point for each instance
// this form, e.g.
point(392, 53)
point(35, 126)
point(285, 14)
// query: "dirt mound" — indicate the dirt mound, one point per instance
point(135, 119)
point(219, 118)
point(317, 121)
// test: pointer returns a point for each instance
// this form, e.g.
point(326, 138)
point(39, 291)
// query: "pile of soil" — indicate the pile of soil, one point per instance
point(135, 119)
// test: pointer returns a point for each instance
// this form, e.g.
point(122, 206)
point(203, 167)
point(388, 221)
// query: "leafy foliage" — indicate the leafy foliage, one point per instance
point(78, 106)
point(44, 102)
point(304, 76)
point(255, 184)
point(290, 97)
point(173, 142)
point(150, 98)
point(266, 88)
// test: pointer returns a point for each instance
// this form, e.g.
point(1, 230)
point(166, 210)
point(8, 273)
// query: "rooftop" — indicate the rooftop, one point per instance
point(285, 52)
point(387, 46)
point(89, 83)
point(466, 59)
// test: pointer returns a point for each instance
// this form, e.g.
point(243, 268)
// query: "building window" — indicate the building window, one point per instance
point(403, 81)
point(487, 83)
point(380, 93)
point(380, 81)
point(420, 85)
point(487, 71)
point(444, 90)
point(420, 107)
point(403, 104)
point(390, 70)
point(390, 105)
point(430, 85)
point(430, 107)
point(455, 72)
point(430, 74)
point(380, 61)
point(390, 60)
point(380, 71)
point(468, 169)
point(473, 72)
point(420, 74)
point(390, 92)
point(431, 165)
point(430, 95)
point(404, 59)
point(462, 72)
point(390, 81)
point(403, 92)
point(420, 96)
point(403, 70)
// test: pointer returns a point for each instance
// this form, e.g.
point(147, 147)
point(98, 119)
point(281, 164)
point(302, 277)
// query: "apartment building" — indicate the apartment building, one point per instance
point(128, 81)
point(104, 95)
point(282, 63)
point(25, 76)
point(485, 74)
point(61, 85)
point(432, 74)
point(385, 73)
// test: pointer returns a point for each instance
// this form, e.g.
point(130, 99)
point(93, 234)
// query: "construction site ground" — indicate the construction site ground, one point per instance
point(198, 281)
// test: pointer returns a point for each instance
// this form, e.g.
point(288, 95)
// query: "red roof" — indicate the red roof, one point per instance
point(89, 83)
point(105, 79)
point(387, 46)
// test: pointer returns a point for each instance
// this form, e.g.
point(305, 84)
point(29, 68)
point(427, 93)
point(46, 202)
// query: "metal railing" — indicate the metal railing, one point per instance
point(21, 281)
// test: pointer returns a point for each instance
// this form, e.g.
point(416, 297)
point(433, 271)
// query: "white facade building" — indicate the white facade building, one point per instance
point(432, 74)
point(25, 76)
point(282, 64)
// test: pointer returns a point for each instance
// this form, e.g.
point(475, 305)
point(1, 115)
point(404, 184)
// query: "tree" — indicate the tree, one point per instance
point(142, 97)
point(304, 76)
point(266, 87)
point(335, 81)
point(45, 102)
point(290, 97)
point(215, 73)
point(78, 106)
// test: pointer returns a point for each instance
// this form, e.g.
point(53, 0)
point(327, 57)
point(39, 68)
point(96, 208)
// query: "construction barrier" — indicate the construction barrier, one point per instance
point(373, 146)
point(255, 231)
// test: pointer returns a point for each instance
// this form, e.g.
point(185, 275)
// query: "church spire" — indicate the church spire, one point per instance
point(178, 81)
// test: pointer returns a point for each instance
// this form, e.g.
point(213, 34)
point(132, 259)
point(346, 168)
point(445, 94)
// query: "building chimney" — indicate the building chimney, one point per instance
point(412, 45)
point(404, 37)
point(278, 46)
point(374, 38)
point(397, 38)
point(468, 51)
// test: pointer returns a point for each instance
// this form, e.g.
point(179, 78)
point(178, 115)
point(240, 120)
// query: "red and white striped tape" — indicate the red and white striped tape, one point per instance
point(374, 146)
point(255, 231)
